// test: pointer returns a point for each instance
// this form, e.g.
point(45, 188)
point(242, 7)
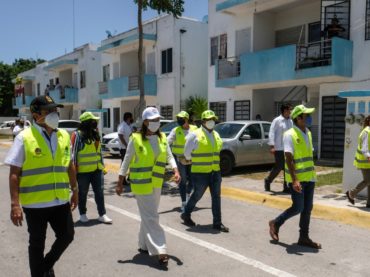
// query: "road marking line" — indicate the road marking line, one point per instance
point(213, 247)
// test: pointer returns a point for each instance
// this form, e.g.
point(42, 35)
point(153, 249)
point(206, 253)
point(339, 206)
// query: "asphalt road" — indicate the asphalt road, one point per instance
point(111, 250)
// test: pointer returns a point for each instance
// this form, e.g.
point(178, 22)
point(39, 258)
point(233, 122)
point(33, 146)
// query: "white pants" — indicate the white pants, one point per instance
point(151, 235)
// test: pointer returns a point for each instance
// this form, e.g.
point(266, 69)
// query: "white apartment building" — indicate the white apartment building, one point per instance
point(263, 53)
point(174, 53)
point(33, 83)
point(72, 80)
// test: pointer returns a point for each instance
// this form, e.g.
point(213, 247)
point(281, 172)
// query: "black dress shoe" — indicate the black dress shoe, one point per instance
point(351, 200)
point(187, 220)
point(267, 185)
point(142, 251)
point(49, 273)
point(309, 243)
point(221, 228)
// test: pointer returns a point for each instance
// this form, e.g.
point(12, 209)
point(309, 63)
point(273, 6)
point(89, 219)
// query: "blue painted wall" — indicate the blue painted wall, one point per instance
point(278, 64)
point(229, 4)
point(71, 95)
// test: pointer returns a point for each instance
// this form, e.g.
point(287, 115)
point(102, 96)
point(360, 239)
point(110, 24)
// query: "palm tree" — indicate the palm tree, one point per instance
point(174, 7)
point(195, 106)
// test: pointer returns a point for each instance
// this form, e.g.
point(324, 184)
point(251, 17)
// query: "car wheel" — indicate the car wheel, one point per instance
point(226, 163)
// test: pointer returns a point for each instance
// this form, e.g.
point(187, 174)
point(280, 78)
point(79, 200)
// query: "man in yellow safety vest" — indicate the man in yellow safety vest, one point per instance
point(41, 176)
point(203, 147)
point(176, 139)
point(300, 175)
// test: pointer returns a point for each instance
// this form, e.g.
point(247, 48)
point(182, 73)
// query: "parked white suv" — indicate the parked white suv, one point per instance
point(69, 125)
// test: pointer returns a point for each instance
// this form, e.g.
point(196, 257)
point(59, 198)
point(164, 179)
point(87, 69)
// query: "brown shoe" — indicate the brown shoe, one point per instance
point(274, 232)
point(309, 243)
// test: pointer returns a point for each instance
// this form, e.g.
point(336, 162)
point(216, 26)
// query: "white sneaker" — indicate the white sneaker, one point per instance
point(83, 218)
point(105, 219)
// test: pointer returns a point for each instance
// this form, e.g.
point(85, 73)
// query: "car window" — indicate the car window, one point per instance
point(228, 130)
point(166, 128)
point(266, 129)
point(254, 130)
point(68, 124)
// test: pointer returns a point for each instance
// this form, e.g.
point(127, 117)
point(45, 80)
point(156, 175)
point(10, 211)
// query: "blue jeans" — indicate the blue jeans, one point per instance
point(96, 179)
point(302, 204)
point(186, 185)
point(200, 182)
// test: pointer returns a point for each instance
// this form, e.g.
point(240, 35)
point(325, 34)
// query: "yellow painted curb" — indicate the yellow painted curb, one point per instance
point(342, 215)
point(111, 167)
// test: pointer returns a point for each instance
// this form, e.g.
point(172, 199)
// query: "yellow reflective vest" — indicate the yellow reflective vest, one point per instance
point(361, 161)
point(89, 158)
point(146, 171)
point(206, 158)
point(303, 157)
point(177, 146)
point(44, 178)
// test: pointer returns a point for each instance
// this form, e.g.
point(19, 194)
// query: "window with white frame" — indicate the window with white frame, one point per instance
point(167, 61)
point(106, 73)
point(219, 109)
point(218, 48)
point(167, 111)
point(242, 110)
point(82, 79)
point(367, 22)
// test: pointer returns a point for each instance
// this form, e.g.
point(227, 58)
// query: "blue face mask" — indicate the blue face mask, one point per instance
point(308, 121)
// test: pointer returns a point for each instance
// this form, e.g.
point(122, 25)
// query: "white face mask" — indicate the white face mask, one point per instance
point(210, 124)
point(154, 126)
point(52, 120)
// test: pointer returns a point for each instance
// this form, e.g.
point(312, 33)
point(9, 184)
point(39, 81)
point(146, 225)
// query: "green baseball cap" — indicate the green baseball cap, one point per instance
point(87, 116)
point(208, 114)
point(301, 109)
point(183, 114)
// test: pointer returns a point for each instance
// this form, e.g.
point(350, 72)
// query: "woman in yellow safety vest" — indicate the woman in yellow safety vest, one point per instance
point(86, 155)
point(362, 162)
point(146, 157)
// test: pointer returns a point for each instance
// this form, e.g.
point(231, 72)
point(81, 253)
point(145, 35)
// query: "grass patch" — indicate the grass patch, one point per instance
point(329, 179)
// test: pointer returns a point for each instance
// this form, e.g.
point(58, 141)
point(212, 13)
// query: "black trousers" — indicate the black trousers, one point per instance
point(60, 220)
point(278, 166)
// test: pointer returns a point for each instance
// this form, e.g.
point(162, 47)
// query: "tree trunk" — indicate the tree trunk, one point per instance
point(140, 59)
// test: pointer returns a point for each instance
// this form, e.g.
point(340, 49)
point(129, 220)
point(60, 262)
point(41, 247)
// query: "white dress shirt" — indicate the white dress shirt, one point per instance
point(16, 157)
point(192, 142)
point(278, 127)
point(125, 130)
point(131, 153)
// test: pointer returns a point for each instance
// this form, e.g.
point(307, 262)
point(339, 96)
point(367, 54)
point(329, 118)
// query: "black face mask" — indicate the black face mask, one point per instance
point(181, 121)
point(94, 124)
point(131, 121)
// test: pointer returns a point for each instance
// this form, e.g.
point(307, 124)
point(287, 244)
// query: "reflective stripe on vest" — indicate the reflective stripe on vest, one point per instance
point(206, 158)
point(361, 161)
point(44, 178)
point(146, 172)
point(303, 157)
point(178, 145)
point(89, 158)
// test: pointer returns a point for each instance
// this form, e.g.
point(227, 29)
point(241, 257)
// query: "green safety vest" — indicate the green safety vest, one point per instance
point(303, 157)
point(146, 171)
point(177, 146)
point(360, 160)
point(89, 158)
point(44, 178)
point(206, 158)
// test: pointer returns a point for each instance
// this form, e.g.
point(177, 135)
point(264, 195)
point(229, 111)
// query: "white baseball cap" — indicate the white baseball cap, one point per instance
point(151, 113)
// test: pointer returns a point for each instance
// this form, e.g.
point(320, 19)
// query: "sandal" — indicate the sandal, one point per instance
point(163, 259)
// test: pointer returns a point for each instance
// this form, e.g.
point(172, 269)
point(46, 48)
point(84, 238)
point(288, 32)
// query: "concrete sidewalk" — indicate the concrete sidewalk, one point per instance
point(328, 204)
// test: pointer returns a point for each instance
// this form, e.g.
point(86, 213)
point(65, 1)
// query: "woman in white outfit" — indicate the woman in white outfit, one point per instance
point(146, 157)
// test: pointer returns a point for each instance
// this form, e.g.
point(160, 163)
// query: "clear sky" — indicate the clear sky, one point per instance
point(44, 28)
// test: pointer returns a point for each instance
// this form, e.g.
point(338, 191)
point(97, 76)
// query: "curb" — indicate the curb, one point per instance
point(342, 215)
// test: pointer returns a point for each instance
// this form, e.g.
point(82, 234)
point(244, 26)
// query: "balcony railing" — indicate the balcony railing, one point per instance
point(228, 68)
point(65, 95)
point(133, 82)
point(103, 87)
point(314, 54)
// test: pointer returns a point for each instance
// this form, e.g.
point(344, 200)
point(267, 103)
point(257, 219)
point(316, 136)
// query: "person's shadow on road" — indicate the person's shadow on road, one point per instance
point(295, 248)
point(203, 229)
point(91, 222)
point(145, 259)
